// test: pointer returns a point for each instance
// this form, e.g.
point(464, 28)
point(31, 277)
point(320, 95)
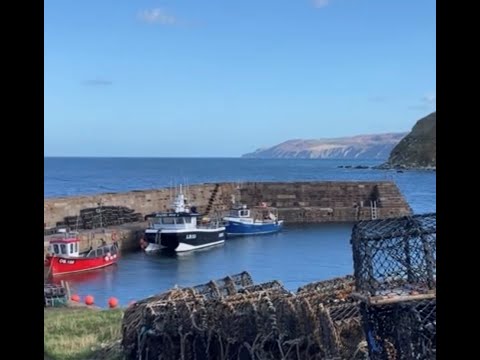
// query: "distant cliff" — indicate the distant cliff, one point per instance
point(419, 148)
point(356, 147)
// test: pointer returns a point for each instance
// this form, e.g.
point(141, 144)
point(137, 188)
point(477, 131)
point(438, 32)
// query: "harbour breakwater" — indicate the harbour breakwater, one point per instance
point(297, 202)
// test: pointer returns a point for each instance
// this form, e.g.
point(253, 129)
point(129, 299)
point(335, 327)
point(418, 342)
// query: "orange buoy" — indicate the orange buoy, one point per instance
point(89, 300)
point(75, 298)
point(112, 302)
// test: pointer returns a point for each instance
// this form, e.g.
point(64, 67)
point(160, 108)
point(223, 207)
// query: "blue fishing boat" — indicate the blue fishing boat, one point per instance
point(258, 220)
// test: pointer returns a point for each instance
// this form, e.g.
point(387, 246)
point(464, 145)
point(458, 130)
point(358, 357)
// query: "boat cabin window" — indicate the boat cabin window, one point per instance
point(244, 212)
point(56, 249)
point(183, 220)
point(72, 248)
point(63, 248)
point(76, 247)
point(167, 221)
point(99, 252)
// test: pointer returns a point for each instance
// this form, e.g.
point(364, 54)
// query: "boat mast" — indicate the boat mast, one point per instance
point(239, 192)
point(180, 204)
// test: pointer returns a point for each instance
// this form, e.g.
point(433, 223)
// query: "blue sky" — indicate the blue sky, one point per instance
point(222, 78)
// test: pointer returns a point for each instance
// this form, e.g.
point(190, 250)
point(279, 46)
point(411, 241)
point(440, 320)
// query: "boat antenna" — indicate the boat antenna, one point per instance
point(187, 191)
point(186, 188)
point(239, 192)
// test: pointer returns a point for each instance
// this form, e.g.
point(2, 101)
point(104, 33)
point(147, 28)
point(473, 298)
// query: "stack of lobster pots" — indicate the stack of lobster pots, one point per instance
point(99, 217)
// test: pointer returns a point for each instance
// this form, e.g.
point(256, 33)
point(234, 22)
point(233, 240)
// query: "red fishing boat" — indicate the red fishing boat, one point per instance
point(104, 275)
point(64, 257)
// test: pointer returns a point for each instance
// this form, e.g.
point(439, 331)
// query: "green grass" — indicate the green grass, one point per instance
point(76, 334)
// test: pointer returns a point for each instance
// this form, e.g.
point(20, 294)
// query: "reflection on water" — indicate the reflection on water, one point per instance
point(296, 256)
point(105, 275)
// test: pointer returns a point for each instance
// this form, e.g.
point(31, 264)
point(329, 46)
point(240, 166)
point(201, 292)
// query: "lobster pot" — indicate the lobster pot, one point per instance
point(264, 325)
point(272, 286)
point(344, 311)
point(58, 301)
point(402, 330)
point(228, 285)
point(395, 257)
point(332, 290)
point(98, 217)
point(259, 321)
point(54, 295)
point(102, 216)
point(135, 316)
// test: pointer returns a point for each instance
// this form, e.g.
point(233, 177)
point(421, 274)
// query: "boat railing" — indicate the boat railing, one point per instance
point(102, 250)
point(211, 224)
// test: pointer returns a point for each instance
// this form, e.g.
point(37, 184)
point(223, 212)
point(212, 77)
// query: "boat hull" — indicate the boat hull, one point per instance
point(68, 265)
point(151, 240)
point(192, 240)
point(238, 228)
point(151, 247)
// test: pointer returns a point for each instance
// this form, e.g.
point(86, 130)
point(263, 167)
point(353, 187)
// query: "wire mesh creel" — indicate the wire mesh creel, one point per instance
point(395, 256)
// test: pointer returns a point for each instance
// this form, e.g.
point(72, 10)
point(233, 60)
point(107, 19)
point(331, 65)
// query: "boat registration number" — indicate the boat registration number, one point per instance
point(65, 261)
point(191, 236)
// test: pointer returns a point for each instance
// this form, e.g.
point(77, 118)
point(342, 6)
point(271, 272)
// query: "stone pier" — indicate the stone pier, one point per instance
point(297, 202)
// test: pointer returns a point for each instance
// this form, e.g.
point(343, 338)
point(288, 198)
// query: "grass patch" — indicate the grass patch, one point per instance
point(76, 334)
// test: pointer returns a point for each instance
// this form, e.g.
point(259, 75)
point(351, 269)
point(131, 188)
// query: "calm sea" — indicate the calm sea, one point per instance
point(298, 255)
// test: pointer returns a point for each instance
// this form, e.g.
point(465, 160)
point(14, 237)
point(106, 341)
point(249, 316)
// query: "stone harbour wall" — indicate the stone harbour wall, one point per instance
point(298, 202)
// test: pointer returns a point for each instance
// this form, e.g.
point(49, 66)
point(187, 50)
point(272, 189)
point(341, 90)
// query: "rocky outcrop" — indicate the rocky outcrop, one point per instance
point(357, 147)
point(418, 150)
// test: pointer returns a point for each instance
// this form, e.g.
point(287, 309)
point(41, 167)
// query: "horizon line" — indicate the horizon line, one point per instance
point(137, 157)
point(205, 157)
